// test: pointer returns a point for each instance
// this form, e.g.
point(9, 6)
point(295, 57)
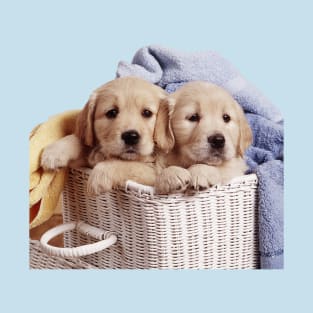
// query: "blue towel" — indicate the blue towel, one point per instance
point(171, 69)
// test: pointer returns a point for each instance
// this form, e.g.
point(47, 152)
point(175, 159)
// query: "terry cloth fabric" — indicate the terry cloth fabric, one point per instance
point(171, 69)
point(45, 187)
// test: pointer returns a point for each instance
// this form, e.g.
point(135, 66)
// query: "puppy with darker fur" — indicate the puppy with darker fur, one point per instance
point(118, 134)
point(209, 135)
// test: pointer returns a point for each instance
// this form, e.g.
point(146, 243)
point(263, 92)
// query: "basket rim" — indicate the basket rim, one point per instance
point(144, 190)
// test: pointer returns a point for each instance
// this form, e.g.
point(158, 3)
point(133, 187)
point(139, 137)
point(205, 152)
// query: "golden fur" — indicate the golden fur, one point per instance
point(122, 105)
point(192, 161)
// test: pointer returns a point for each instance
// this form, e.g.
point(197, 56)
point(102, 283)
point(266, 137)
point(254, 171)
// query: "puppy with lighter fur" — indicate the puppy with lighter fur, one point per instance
point(118, 134)
point(209, 135)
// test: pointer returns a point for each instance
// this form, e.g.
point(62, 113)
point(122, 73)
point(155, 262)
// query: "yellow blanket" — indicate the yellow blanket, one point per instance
point(45, 187)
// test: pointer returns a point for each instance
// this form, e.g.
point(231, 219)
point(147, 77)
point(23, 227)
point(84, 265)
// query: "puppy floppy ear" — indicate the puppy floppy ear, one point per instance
point(245, 133)
point(84, 123)
point(163, 134)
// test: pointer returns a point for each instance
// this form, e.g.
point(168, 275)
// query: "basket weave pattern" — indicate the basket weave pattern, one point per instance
point(214, 229)
point(39, 260)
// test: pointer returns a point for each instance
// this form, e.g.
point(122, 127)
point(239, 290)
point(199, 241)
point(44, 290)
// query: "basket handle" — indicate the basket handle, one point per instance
point(139, 188)
point(106, 238)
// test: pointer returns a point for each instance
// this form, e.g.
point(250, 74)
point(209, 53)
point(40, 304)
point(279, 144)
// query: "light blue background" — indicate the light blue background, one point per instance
point(54, 53)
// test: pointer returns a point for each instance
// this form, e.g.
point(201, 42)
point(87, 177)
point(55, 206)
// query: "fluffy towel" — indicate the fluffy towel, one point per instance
point(170, 69)
point(45, 187)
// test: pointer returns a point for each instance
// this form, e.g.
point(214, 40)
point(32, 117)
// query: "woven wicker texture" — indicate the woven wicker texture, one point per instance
point(40, 260)
point(214, 229)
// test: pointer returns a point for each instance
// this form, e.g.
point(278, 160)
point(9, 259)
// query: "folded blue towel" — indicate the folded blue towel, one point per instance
point(170, 69)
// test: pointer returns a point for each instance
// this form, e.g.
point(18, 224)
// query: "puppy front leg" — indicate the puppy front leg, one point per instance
point(61, 153)
point(172, 179)
point(113, 174)
point(204, 176)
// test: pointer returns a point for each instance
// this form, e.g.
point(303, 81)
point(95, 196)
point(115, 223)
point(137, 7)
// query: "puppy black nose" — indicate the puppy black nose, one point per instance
point(131, 137)
point(217, 141)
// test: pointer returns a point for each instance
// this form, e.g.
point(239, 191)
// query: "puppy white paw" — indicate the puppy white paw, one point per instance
point(101, 180)
point(203, 176)
point(53, 158)
point(172, 179)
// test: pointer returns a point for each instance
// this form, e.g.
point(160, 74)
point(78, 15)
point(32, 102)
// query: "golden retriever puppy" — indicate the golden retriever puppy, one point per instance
point(118, 133)
point(209, 137)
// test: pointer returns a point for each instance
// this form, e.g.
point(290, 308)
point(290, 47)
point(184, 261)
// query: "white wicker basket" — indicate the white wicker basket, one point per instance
point(212, 229)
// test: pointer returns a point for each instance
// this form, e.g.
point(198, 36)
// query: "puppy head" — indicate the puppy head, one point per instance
point(121, 118)
point(208, 124)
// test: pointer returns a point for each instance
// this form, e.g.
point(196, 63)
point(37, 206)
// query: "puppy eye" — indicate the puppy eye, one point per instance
point(226, 118)
point(146, 113)
point(194, 118)
point(112, 113)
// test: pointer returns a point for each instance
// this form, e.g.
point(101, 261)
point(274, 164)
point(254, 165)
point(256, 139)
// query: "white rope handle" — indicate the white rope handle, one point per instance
point(139, 188)
point(106, 238)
